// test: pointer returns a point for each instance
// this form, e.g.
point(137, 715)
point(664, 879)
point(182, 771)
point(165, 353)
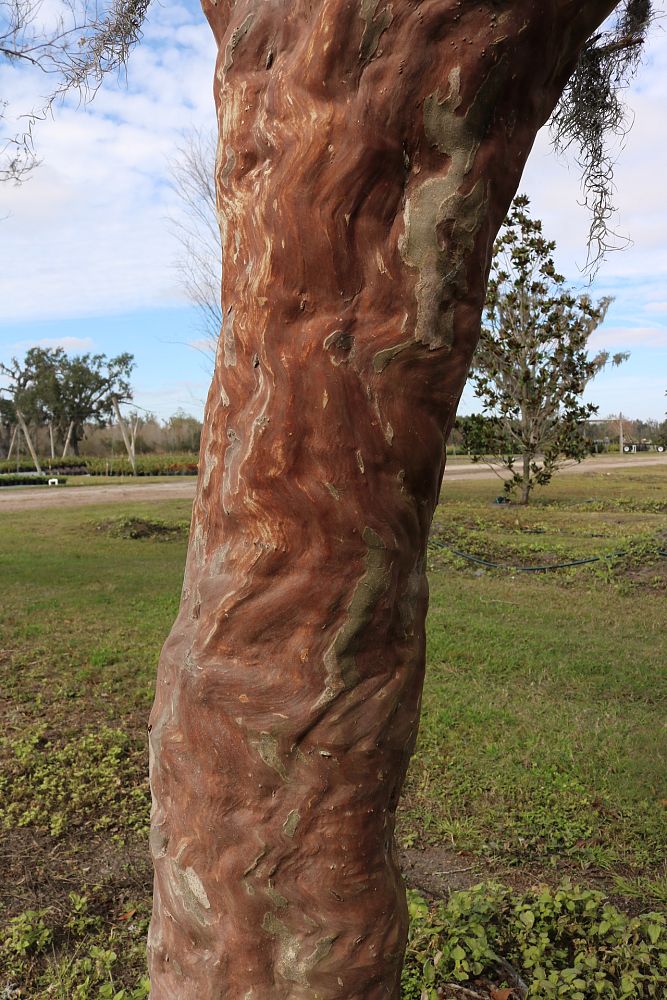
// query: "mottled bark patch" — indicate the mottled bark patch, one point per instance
point(339, 659)
point(374, 25)
point(291, 823)
point(293, 965)
point(237, 35)
point(441, 227)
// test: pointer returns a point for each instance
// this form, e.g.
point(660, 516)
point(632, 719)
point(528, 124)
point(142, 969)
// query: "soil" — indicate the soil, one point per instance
point(437, 871)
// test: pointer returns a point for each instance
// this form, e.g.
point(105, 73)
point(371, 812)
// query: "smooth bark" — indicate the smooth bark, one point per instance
point(127, 441)
point(368, 154)
point(13, 439)
point(28, 440)
point(68, 438)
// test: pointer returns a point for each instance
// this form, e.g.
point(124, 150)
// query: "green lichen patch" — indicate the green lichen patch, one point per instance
point(374, 25)
point(291, 823)
point(339, 659)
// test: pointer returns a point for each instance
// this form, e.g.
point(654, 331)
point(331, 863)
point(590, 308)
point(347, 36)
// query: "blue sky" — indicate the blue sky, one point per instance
point(88, 255)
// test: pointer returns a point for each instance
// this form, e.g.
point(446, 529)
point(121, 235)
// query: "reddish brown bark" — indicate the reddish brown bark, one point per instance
point(368, 153)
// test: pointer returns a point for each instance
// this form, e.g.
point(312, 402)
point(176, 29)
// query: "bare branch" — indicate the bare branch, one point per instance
point(78, 47)
point(200, 261)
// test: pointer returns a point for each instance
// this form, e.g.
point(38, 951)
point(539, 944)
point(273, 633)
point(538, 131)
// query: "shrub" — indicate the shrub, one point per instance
point(174, 464)
point(19, 480)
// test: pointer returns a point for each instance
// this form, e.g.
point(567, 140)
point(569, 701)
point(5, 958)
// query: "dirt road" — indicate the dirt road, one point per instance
point(31, 498)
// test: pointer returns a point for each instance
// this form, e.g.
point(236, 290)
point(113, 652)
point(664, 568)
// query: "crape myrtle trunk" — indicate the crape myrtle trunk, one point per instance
point(368, 153)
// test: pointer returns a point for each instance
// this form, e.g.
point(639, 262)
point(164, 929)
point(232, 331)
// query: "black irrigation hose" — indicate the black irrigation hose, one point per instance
point(530, 569)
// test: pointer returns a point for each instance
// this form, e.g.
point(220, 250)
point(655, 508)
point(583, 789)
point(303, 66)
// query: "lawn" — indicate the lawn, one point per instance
point(543, 745)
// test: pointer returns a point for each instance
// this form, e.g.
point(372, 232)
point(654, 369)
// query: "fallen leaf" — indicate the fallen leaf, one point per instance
point(502, 994)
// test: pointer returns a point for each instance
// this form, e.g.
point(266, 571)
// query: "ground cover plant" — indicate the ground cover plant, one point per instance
point(541, 756)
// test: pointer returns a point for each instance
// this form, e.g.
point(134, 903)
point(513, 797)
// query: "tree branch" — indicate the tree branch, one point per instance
point(16, 54)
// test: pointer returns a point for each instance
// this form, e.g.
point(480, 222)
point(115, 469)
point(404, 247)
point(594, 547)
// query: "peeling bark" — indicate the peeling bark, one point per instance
point(368, 153)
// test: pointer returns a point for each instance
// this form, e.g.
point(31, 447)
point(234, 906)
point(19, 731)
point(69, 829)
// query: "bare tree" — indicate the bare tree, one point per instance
point(368, 154)
point(198, 232)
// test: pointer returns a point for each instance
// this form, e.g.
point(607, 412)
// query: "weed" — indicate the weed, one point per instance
point(94, 779)
point(26, 934)
point(141, 527)
point(76, 956)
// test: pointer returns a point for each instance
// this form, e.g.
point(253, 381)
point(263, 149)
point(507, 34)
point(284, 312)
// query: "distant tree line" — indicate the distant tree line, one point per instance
point(178, 433)
point(55, 405)
point(480, 434)
point(606, 432)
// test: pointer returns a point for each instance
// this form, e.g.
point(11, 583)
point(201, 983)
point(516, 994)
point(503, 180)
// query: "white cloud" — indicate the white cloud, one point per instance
point(628, 338)
point(203, 344)
point(185, 395)
point(88, 233)
point(68, 344)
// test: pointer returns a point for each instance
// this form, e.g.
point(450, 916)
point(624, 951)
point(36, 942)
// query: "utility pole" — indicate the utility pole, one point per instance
point(621, 441)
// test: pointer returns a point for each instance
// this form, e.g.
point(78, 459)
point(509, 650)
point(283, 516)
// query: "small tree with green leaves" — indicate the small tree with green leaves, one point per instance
point(532, 363)
point(25, 394)
point(49, 387)
point(89, 388)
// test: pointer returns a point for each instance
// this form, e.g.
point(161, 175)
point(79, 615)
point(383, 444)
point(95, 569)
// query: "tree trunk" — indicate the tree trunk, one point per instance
point(525, 482)
point(129, 445)
point(12, 441)
point(368, 154)
point(28, 440)
point(68, 438)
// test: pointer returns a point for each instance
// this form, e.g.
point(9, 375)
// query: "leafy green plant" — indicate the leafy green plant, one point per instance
point(75, 955)
point(26, 934)
point(567, 943)
point(532, 363)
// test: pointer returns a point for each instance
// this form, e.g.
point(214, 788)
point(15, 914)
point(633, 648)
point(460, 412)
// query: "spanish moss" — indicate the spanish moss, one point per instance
point(592, 118)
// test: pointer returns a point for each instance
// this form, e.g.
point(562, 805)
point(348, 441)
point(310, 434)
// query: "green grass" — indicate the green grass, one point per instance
point(543, 744)
point(543, 741)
